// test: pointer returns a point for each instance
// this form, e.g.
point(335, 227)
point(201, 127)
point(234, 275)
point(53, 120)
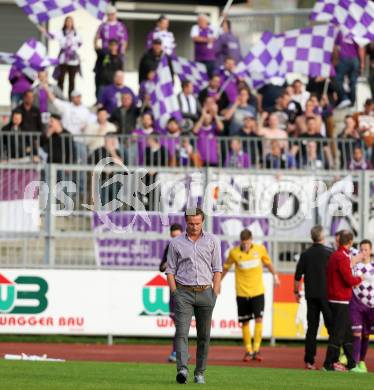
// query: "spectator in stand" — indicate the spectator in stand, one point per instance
point(313, 131)
point(171, 140)
point(268, 94)
point(112, 94)
point(253, 145)
point(140, 134)
point(75, 118)
point(359, 162)
point(162, 33)
point(347, 140)
point(20, 83)
point(125, 116)
point(287, 111)
point(107, 64)
point(41, 99)
point(31, 118)
point(312, 162)
point(145, 89)
point(365, 119)
point(350, 61)
point(12, 146)
point(236, 157)
point(244, 105)
point(278, 158)
point(213, 91)
point(110, 30)
point(102, 142)
point(69, 62)
point(370, 53)
point(156, 154)
point(207, 128)
point(203, 37)
point(150, 60)
point(310, 111)
point(188, 104)
point(271, 131)
point(229, 80)
point(320, 86)
point(226, 45)
point(300, 95)
point(57, 143)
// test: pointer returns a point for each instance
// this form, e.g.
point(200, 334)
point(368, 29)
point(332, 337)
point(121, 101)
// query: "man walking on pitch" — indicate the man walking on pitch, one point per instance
point(339, 292)
point(175, 231)
point(249, 259)
point(313, 265)
point(193, 265)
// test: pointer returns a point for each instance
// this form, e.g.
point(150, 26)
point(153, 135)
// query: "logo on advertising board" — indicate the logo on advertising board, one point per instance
point(156, 297)
point(24, 288)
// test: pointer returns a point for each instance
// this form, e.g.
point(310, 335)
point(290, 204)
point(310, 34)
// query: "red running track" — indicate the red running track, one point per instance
point(274, 357)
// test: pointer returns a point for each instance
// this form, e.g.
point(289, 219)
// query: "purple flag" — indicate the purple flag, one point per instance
point(163, 100)
point(191, 71)
point(31, 57)
point(354, 17)
point(264, 62)
point(40, 11)
point(309, 50)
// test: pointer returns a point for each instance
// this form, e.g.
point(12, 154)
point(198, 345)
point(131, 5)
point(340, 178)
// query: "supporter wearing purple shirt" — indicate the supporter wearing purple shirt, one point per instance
point(359, 163)
point(20, 84)
point(111, 96)
point(236, 157)
point(229, 81)
point(162, 33)
point(141, 136)
point(110, 30)
point(203, 37)
point(207, 129)
point(171, 140)
point(350, 62)
point(227, 45)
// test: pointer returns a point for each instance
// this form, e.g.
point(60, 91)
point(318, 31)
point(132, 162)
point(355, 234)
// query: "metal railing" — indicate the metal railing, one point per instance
point(69, 230)
point(312, 154)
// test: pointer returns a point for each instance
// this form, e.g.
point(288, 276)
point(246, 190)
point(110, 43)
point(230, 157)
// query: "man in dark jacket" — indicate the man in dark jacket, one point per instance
point(58, 143)
point(339, 292)
point(124, 117)
point(312, 265)
point(107, 65)
point(150, 59)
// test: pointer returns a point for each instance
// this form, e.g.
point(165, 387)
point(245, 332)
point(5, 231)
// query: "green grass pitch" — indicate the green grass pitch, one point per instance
point(25, 375)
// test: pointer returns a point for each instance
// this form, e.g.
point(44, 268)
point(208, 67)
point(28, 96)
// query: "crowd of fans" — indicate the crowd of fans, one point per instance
point(225, 124)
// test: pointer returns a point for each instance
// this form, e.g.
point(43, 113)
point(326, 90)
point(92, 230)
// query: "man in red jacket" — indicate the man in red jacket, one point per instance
point(339, 292)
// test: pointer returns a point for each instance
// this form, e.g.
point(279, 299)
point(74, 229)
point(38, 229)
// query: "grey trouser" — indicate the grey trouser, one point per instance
point(200, 304)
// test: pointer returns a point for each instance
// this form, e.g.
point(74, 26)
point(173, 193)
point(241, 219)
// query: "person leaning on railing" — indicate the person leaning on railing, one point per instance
point(57, 142)
point(102, 141)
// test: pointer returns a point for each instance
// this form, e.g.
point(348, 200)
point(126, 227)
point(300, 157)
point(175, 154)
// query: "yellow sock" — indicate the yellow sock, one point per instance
point(258, 336)
point(247, 337)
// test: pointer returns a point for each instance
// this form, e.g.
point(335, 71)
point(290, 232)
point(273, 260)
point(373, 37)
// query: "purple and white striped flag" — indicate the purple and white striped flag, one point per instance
point(40, 11)
point(163, 100)
point(355, 18)
point(31, 57)
point(264, 62)
point(191, 71)
point(309, 50)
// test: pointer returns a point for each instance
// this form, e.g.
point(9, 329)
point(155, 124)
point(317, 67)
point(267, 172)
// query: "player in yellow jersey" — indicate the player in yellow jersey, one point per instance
point(249, 259)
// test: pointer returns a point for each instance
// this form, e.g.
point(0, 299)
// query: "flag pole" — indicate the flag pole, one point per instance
point(326, 86)
point(225, 10)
